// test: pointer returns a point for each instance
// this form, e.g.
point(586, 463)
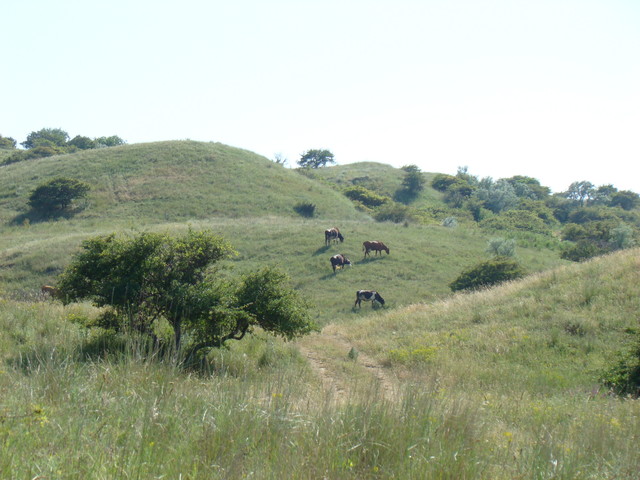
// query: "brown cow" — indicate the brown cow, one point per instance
point(332, 234)
point(53, 292)
point(374, 245)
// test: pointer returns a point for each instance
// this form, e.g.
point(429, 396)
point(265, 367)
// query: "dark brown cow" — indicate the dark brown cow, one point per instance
point(368, 296)
point(376, 246)
point(332, 234)
point(339, 261)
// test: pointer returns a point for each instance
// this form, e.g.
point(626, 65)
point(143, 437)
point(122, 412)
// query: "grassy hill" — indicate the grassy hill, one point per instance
point(498, 384)
point(173, 181)
point(249, 200)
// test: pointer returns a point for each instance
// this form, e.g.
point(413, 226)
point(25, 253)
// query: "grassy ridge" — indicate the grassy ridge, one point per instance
point(169, 181)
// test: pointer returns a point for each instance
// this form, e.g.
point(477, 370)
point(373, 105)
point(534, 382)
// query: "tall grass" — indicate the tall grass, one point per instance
point(492, 386)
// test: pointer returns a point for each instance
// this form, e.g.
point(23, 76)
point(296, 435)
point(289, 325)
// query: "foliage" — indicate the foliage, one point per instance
point(501, 247)
point(393, 212)
point(623, 377)
point(625, 199)
point(442, 182)
point(412, 184)
point(491, 272)
point(305, 209)
point(7, 143)
point(152, 277)
point(316, 158)
point(621, 237)
point(46, 137)
point(581, 250)
point(496, 196)
point(57, 195)
point(450, 222)
point(581, 192)
point(365, 196)
point(82, 143)
point(522, 220)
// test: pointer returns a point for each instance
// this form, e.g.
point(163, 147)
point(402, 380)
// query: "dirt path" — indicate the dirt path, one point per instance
point(328, 352)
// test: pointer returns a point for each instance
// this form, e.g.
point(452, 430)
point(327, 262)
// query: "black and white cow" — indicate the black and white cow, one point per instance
point(339, 261)
point(368, 296)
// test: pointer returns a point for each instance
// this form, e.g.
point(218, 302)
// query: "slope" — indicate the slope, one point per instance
point(173, 181)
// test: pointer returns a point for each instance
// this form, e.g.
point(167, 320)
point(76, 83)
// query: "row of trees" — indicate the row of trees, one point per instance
point(53, 141)
point(593, 220)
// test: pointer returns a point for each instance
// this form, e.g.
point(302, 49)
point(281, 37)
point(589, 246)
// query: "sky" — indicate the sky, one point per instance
point(549, 89)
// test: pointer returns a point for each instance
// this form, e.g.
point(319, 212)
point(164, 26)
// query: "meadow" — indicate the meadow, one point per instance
point(502, 383)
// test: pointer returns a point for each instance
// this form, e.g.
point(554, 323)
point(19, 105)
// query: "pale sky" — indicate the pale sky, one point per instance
point(544, 88)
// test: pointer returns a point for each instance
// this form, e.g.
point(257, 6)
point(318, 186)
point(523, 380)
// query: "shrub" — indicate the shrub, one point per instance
point(365, 196)
point(582, 250)
point(442, 182)
point(57, 195)
point(492, 272)
point(305, 209)
point(392, 213)
point(501, 247)
point(623, 378)
point(450, 222)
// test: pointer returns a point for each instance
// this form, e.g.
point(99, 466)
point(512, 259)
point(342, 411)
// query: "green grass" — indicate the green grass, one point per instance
point(499, 384)
point(499, 396)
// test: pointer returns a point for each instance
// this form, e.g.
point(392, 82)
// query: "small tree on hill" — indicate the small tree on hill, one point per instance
point(57, 195)
point(7, 143)
point(45, 137)
point(316, 158)
point(154, 277)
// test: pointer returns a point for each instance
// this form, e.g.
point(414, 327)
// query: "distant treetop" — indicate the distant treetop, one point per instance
point(316, 158)
point(54, 141)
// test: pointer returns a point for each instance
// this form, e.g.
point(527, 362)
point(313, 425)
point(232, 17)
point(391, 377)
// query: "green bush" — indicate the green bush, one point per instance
point(523, 220)
point(365, 196)
point(492, 272)
point(623, 378)
point(396, 213)
point(57, 195)
point(305, 209)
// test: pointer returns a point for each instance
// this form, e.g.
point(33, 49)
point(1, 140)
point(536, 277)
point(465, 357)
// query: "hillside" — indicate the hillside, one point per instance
point(248, 199)
point(499, 384)
point(173, 181)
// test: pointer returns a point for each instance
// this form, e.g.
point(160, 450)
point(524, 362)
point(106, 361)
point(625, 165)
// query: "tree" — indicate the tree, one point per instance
point(152, 277)
point(57, 195)
point(413, 181)
point(7, 143)
point(82, 143)
point(112, 141)
point(625, 199)
point(316, 158)
point(46, 137)
point(582, 192)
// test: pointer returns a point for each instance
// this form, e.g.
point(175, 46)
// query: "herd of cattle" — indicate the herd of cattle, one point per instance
point(337, 261)
point(340, 260)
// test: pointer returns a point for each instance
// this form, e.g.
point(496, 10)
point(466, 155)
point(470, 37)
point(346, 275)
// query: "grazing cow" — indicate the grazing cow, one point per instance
point(339, 261)
point(332, 234)
point(49, 290)
point(368, 296)
point(375, 246)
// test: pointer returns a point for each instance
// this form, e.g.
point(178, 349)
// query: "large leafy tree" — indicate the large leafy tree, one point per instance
point(316, 158)
point(152, 277)
point(57, 195)
point(46, 137)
